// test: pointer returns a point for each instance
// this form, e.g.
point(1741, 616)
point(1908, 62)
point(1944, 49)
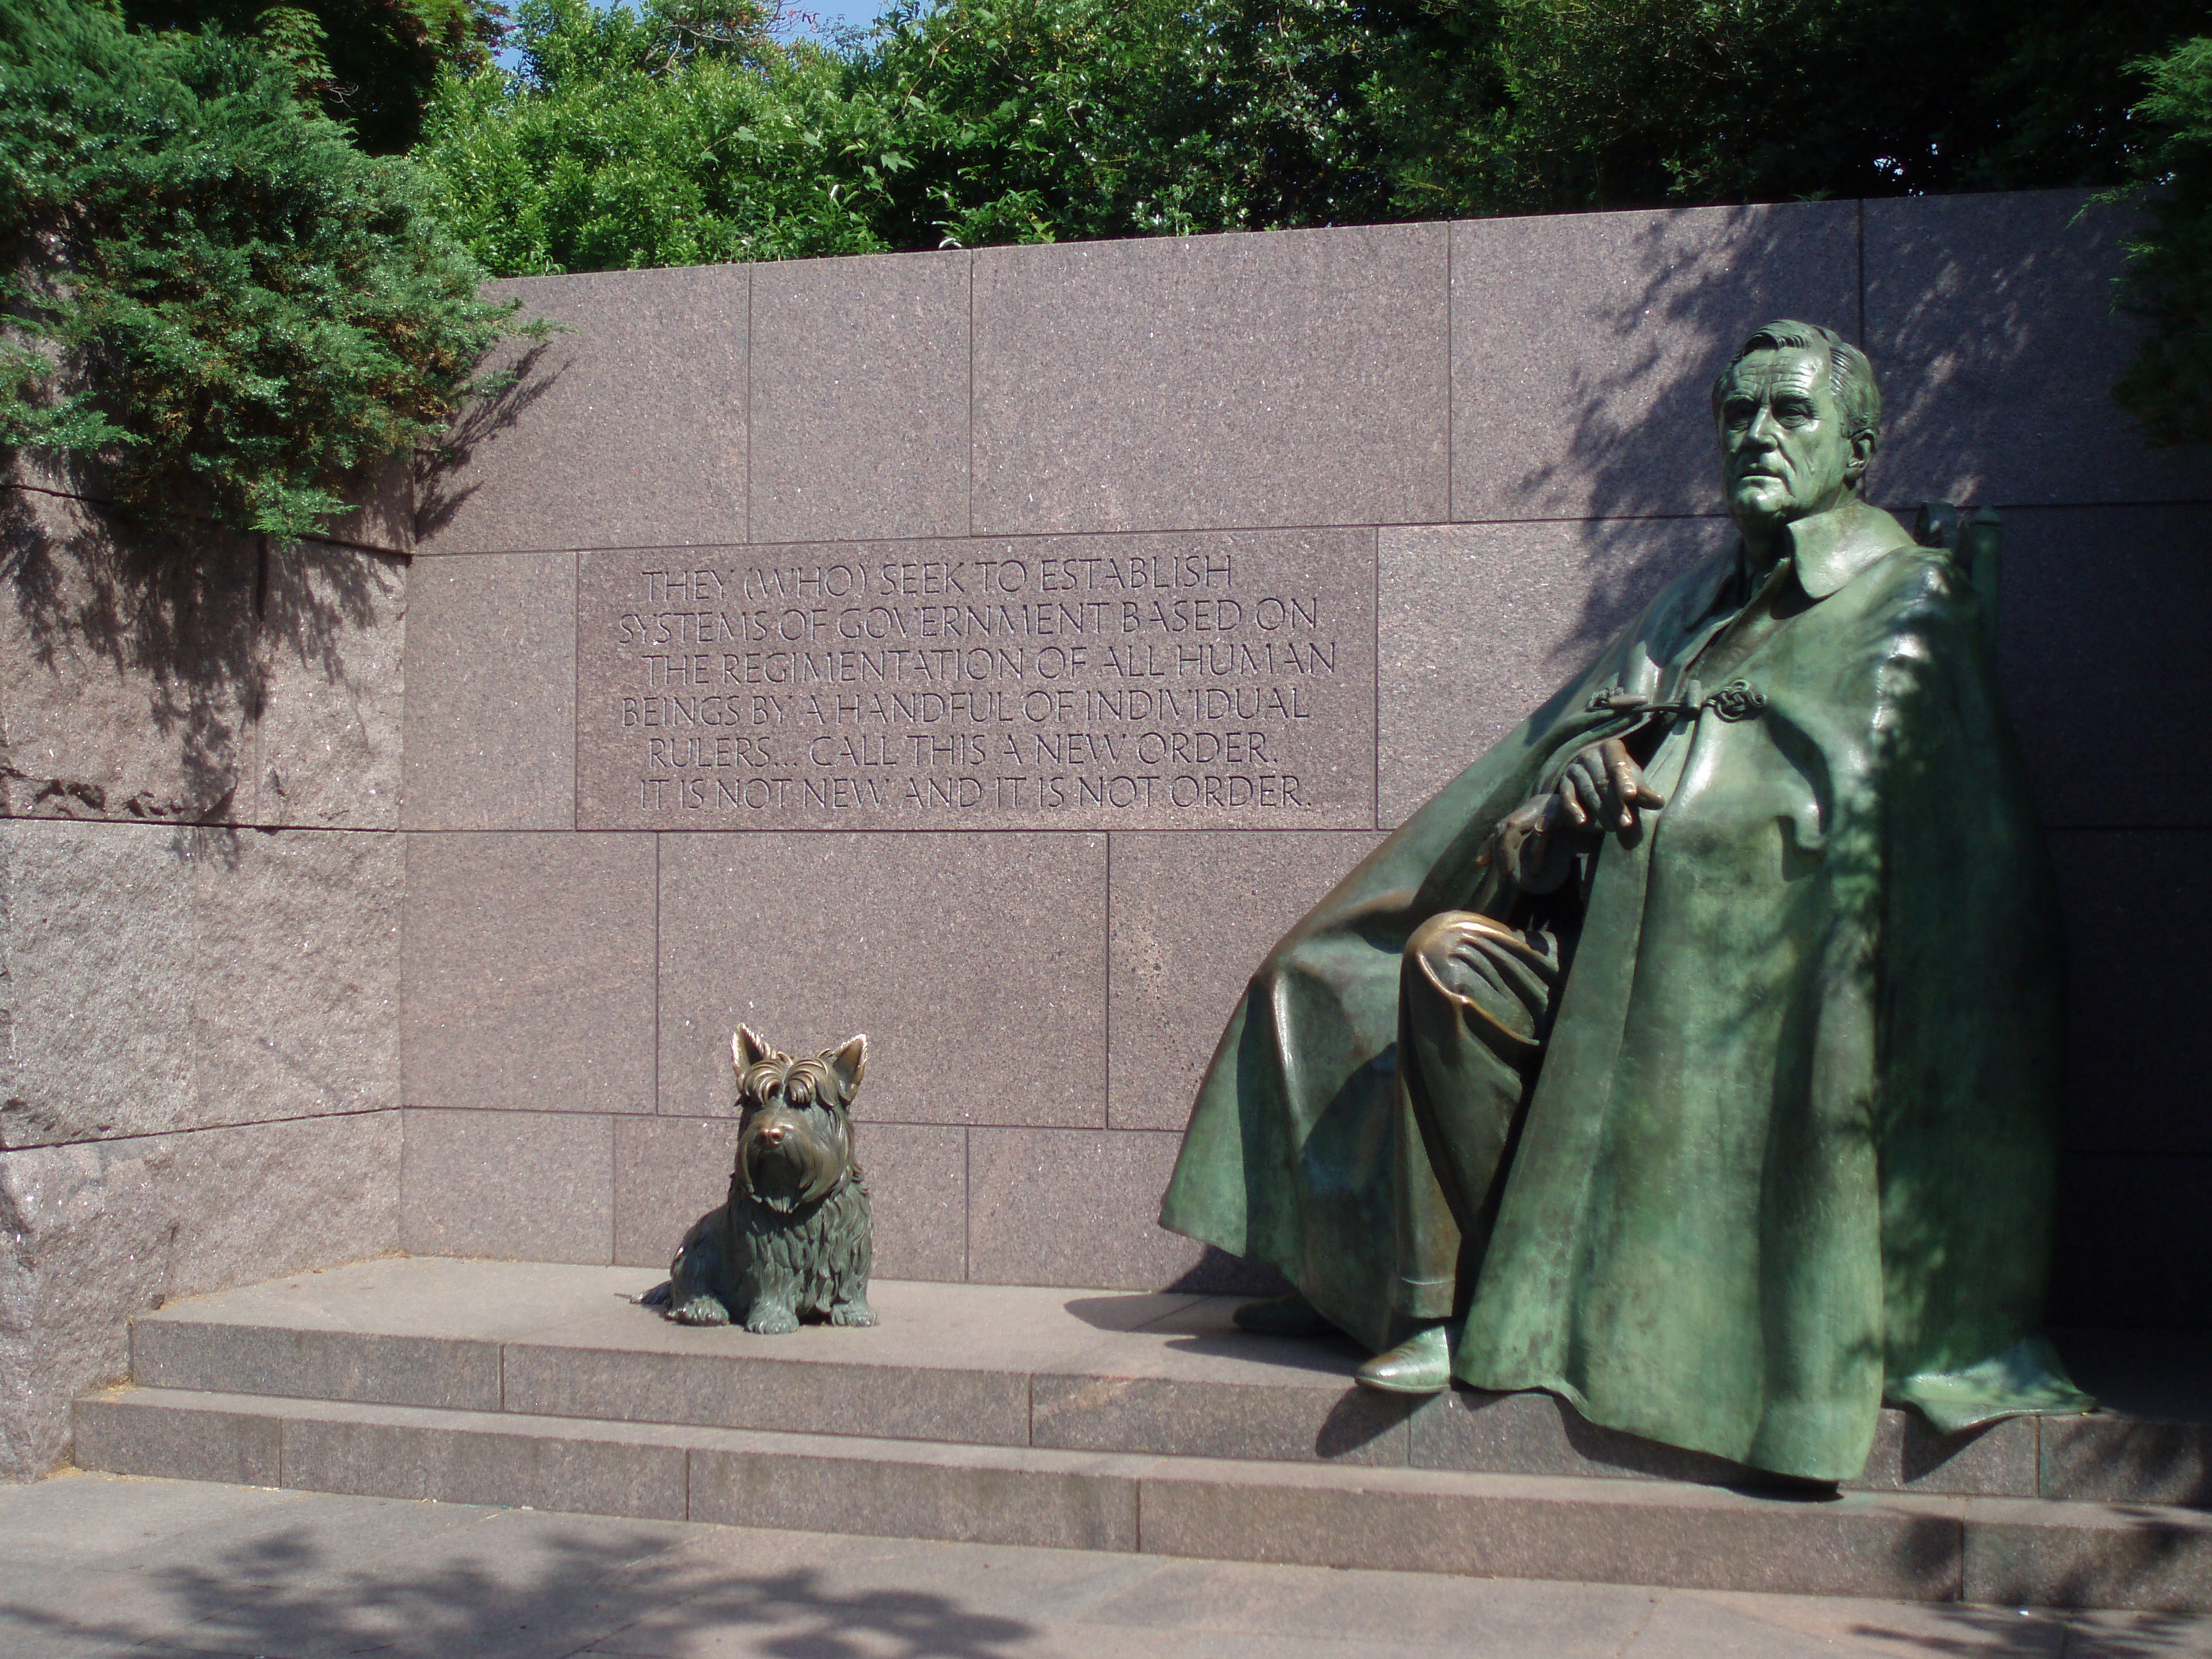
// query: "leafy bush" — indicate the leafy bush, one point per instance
point(678, 133)
point(1049, 120)
point(371, 63)
point(2169, 277)
point(670, 131)
point(212, 292)
point(673, 131)
point(1475, 107)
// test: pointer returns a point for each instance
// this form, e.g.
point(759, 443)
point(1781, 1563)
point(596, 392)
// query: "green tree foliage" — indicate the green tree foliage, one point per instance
point(371, 63)
point(211, 290)
point(1012, 121)
point(1627, 102)
point(1051, 119)
point(966, 122)
point(677, 133)
point(978, 121)
point(2169, 279)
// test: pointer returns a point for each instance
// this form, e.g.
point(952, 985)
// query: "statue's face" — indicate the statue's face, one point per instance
point(1785, 450)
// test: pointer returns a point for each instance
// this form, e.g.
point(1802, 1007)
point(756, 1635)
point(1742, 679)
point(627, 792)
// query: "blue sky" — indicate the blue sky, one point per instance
point(855, 13)
point(832, 13)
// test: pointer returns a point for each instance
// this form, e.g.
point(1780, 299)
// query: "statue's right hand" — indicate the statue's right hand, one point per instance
point(1603, 788)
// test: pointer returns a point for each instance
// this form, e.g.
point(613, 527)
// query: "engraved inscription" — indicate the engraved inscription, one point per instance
point(1064, 682)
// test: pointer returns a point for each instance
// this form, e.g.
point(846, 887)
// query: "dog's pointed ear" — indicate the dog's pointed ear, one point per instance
point(850, 1062)
point(747, 1049)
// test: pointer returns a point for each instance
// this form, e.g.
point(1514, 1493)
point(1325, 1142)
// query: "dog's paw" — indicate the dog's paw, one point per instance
point(770, 1321)
point(701, 1310)
point(852, 1313)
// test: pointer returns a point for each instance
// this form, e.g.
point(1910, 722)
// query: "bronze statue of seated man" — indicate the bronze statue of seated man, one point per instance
point(1694, 1055)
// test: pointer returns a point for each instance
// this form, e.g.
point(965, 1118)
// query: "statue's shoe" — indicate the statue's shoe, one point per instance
point(1419, 1364)
point(1280, 1315)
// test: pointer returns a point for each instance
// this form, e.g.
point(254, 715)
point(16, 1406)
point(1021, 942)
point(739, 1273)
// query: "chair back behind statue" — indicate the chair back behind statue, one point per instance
point(1972, 538)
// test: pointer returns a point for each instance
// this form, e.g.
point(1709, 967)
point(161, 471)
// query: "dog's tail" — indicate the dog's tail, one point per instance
point(658, 1296)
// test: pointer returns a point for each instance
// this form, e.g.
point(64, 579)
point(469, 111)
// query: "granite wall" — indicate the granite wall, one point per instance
point(201, 879)
point(993, 651)
point(1357, 498)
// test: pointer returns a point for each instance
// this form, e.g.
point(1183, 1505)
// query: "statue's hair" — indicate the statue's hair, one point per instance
point(1851, 376)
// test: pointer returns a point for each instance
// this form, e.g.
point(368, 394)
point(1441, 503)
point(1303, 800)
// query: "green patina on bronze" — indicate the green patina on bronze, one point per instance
point(1730, 1124)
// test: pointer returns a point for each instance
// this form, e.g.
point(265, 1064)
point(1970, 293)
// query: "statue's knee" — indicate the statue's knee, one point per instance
point(1463, 966)
point(1436, 941)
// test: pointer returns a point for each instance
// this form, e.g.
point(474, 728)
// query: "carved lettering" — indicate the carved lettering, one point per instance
point(1066, 681)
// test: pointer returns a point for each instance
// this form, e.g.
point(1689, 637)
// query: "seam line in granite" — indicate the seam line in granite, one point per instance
point(256, 720)
point(643, 1116)
point(750, 271)
point(218, 823)
point(1227, 528)
point(1106, 1015)
point(658, 877)
point(201, 1128)
point(2131, 504)
point(970, 468)
point(107, 504)
point(1451, 388)
point(1352, 829)
point(1339, 827)
point(1376, 566)
point(577, 696)
point(575, 674)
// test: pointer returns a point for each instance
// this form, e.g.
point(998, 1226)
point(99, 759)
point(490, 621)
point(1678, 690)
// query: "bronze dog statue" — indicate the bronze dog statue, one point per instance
point(793, 1241)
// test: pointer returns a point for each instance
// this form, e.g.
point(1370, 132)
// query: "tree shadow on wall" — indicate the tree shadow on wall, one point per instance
point(282, 1595)
point(1965, 306)
point(141, 662)
point(1639, 443)
point(514, 387)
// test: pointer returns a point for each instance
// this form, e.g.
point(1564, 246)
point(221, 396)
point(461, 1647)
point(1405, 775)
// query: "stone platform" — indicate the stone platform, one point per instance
point(1102, 1421)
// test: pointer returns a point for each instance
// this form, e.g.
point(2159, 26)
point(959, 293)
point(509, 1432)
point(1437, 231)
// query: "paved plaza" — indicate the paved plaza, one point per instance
point(95, 1566)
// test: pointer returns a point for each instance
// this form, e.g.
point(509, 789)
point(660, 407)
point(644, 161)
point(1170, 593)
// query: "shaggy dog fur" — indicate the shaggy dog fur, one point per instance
point(793, 1241)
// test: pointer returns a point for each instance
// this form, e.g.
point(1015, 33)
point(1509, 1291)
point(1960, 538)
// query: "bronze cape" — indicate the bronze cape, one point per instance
point(1772, 1134)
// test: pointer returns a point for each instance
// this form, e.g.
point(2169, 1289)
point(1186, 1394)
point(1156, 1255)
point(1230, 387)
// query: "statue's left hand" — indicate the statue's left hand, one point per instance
point(1603, 788)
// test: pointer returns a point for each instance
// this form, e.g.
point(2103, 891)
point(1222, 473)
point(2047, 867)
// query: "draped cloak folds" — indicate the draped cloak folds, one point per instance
point(1790, 1147)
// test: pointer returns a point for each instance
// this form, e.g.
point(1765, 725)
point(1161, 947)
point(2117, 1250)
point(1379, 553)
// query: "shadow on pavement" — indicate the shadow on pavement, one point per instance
point(283, 1597)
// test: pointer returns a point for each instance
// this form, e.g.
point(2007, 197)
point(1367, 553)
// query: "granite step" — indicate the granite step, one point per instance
point(1160, 1374)
point(1896, 1546)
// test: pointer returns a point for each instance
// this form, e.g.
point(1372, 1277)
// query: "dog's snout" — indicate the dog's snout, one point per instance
point(772, 1135)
